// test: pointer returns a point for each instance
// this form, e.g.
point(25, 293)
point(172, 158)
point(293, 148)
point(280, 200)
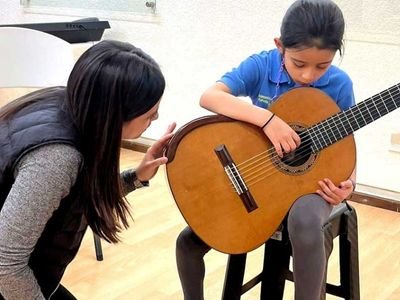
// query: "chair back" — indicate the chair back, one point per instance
point(31, 59)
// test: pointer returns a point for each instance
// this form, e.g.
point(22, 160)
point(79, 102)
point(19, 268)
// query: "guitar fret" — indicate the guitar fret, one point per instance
point(348, 121)
point(309, 136)
point(326, 143)
point(376, 107)
point(381, 105)
point(352, 118)
point(341, 123)
point(349, 128)
point(362, 117)
point(392, 98)
point(364, 104)
point(335, 129)
point(384, 104)
point(327, 127)
point(398, 98)
point(315, 148)
point(319, 138)
point(332, 135)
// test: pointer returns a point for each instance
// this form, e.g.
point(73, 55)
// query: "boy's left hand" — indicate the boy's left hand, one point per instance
point(332, 193)
point(154, 156)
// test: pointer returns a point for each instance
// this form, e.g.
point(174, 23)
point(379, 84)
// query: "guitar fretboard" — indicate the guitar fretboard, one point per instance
point(346, 122)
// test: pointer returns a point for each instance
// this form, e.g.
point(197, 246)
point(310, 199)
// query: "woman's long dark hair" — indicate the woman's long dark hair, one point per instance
point(111, 83)
point(313, 23)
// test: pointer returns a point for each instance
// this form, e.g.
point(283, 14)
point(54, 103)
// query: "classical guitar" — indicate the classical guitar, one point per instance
point(230, 185)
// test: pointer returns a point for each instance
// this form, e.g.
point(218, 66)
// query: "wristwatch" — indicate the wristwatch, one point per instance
point(131, 177)
point(138, 183)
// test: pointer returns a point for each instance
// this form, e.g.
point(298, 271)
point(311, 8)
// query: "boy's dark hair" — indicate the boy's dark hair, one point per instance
point(313, 23)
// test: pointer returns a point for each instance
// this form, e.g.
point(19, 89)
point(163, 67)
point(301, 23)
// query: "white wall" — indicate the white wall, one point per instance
point(195, 42)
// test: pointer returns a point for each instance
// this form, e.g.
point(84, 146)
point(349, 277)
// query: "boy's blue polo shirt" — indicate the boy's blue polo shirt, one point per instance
point(258, 77)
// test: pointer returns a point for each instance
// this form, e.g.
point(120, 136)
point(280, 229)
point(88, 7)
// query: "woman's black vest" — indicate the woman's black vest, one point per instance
point(41, 123)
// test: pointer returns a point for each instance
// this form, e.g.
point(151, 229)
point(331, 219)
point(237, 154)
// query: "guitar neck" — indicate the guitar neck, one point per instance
point(346, 122)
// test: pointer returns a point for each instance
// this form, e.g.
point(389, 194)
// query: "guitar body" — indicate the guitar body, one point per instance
point(205, 195)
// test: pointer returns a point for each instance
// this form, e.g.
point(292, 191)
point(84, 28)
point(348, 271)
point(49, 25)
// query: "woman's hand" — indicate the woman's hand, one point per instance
point(154, 156)
point(282, 136)
point(335, 194)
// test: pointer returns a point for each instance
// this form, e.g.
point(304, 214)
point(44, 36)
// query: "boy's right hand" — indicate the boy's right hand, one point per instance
point(282, 136)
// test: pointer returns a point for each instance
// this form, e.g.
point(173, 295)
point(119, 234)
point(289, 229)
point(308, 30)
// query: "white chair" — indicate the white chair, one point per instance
point(31, 59)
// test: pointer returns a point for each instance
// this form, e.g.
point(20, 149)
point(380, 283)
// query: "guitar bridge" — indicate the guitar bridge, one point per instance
point(236, 178)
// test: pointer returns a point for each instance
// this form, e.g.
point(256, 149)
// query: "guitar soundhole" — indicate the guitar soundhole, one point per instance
point(300, 160)
point(298, 157)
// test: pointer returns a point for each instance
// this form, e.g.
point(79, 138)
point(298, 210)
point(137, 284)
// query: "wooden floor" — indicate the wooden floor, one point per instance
point(143, 265)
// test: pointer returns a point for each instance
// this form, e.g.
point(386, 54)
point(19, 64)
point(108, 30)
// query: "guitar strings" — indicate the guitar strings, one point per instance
point(335, 119)
point(302, 156)
point(303, 141)
point(255, 159)
point(322, 123)
point(251, 164)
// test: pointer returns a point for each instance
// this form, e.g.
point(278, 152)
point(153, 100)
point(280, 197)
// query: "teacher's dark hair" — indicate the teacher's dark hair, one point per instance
point(111, 83)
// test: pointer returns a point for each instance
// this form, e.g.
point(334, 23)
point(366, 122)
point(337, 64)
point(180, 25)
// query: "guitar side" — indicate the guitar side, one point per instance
point(205, 195)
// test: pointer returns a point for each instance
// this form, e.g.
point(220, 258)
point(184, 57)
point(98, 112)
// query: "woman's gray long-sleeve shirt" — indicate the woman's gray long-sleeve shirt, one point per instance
point(43, 177)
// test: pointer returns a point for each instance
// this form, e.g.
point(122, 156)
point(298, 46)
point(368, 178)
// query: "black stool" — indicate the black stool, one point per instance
point(97, 247)
point(342, 222)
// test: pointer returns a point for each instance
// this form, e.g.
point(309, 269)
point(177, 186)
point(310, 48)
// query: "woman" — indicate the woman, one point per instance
point(59, 165)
